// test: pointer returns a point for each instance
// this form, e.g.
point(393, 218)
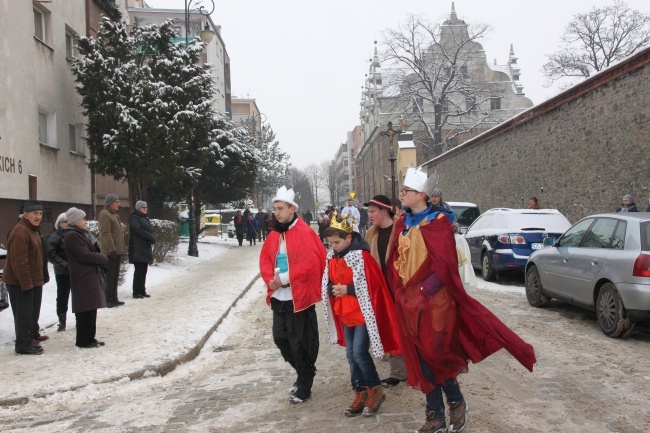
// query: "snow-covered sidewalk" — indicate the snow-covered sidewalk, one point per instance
point(189, 297)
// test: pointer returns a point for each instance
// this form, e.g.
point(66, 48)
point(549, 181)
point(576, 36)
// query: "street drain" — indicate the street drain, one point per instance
point(224, 348)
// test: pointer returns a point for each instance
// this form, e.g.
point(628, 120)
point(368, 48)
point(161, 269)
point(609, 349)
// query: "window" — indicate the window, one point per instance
point(618, 240)
point(76, 140)
point(600, 234)
point(470, 103)
point(41, 23)
point(495, 103)
point(574, 235)
point(46, 127)
point(69, 45)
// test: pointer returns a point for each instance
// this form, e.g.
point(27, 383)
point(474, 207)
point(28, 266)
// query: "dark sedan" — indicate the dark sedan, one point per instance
point(503, 239)
point(602, 264)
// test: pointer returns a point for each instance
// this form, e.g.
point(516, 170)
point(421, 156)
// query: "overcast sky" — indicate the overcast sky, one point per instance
point(304, 61)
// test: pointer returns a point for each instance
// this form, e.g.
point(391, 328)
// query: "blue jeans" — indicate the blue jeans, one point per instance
point(434, 398)
point(357, 348)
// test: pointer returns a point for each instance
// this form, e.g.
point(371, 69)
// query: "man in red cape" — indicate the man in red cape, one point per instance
point(291, 263)
point(441, 326)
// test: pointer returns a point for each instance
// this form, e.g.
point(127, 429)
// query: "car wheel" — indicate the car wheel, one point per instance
point(487, 271)
point(612, 319)
point(534, 289)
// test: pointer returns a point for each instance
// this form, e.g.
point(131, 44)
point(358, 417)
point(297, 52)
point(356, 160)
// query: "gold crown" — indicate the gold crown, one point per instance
point(343, 225)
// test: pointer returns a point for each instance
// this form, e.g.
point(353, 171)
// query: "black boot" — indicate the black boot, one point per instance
point(61, 327)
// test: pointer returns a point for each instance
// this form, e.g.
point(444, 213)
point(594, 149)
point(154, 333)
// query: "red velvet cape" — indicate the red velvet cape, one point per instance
point(306, 257)
point(477, 332)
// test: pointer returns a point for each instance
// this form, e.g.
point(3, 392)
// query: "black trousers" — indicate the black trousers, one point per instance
point(26, 308)
point(261, 234)
point(140, 278)
point(112, 279)
point(62, 293)
point(296, 335)
point(86, 328)
point(240, 238)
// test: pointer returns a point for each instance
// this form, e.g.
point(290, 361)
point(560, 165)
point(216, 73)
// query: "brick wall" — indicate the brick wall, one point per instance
point(586, 148)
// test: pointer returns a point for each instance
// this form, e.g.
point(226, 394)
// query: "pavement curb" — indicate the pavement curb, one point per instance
point(149, 371)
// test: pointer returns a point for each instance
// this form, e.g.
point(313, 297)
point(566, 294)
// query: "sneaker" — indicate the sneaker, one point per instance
point(358, 404)
point(293, 388)
point(390, 382)
point(433, 424)
point(300, 396)
point(457, 416)
point(375, 398)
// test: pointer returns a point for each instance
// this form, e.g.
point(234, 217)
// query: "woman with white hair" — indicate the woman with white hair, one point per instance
point(56, 255)
point(87, 292)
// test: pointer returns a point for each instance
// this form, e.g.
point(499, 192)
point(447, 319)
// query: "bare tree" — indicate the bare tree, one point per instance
point(439, 79)
point(593, 41)
point(329, 177)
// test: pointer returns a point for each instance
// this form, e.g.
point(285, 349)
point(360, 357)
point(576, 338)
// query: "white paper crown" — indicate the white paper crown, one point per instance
point(285, 195)
point(415, 179)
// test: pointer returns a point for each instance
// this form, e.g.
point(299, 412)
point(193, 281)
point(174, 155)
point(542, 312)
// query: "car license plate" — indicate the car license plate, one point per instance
point(536, 246)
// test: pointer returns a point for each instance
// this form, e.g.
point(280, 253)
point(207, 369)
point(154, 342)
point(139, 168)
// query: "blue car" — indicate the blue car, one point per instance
point(502, 239)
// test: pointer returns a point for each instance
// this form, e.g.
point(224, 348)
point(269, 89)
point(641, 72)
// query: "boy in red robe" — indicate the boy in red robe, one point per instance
point(359, 312)
point(291, 263)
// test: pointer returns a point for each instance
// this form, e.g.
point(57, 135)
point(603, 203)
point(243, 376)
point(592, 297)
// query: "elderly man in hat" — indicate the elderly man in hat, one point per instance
point(111, 242)
point(379, 236)
point(442, 327)
point(25, 273)
point(141, 240)
point(292, 262)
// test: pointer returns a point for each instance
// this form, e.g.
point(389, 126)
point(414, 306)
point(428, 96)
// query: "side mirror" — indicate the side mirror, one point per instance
point(462, 230)
point(549, 242)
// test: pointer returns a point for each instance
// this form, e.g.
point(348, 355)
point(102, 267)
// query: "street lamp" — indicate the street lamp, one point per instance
point(392, 157)
point(206, 37)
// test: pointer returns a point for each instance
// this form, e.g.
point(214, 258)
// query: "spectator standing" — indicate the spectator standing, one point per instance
point(270, 222)
point(141, 241)
point(56, 255)
point(251, 229)
point(628, 204)
point(533, 203)
point(323, 222)
point(363, 220)
point(87, 293)
point(292, 261)
point(240, 227)
point(380, 237)
point(350, 211)
point(359, 312)
point(308, 217)
point(442, 327)
point(25, 273)
point(111, 242)
point(261, 217)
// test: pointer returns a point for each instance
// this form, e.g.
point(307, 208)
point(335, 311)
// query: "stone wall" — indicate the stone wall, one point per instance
point(578, 152)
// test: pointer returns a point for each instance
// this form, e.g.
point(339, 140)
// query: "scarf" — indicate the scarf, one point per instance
point(283, 227)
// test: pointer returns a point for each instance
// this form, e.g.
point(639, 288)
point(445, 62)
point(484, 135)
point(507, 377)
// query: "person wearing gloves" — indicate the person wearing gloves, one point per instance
point(87, 293)
point(56, 255)
point(141, 240)
point(442, 328)
point(111, 241)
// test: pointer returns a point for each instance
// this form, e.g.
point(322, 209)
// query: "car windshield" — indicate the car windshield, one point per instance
point(465, 214)
point(555, 223)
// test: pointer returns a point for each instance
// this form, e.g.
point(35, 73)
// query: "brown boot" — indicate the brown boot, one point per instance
point(433, 424)
point(358, 404)
point(375, 398)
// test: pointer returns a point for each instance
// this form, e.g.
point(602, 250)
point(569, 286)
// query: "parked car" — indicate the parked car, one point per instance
point(602, 264)
point(502, 239)
point(465, 212)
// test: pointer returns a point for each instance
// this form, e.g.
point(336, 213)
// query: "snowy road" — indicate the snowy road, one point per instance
point(583, 382)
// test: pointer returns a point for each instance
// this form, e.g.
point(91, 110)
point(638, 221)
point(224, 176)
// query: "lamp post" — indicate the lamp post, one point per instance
point(392, 156)
point(206, 37)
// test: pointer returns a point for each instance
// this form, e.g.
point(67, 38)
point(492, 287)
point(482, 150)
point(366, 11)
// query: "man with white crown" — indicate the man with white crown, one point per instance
point(442, 328)
point(292, 262)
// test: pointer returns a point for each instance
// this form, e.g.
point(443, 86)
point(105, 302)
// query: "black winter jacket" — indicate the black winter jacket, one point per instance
point(56, 253)
point(141, 238)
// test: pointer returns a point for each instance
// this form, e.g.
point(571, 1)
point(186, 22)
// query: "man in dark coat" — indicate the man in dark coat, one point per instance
point(627, 205)
point(56, 255)
point(87, 292)
point(262, 220)
point(24, 275)
point(141, 240)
